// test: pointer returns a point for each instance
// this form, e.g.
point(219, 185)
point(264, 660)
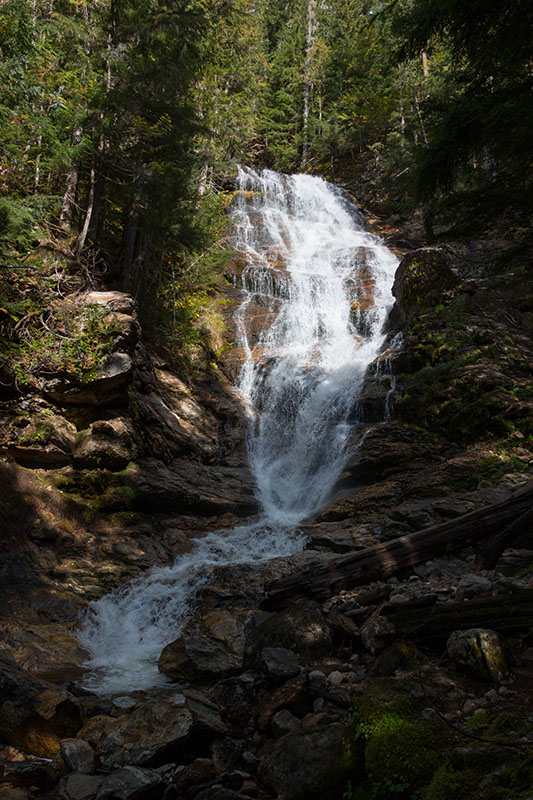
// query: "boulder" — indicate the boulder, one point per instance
point(479, 652)
point(151, 734)
point(106, 385)
point(40, 440)
point(472, 585)
point(78, 755)
point(106, 444)
point(79, 786)
point(132, 783)
point(199, 657)
point(279, 662)
point(284, 722)
point(422, 280)
point(35, 715)
point(308, 766)
point(112, 301)
point(303, 629)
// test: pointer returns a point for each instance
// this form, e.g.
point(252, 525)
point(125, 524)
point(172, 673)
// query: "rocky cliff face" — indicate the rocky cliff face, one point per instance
point(111, 472)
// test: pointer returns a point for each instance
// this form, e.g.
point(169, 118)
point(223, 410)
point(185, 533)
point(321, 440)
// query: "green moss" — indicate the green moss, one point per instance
point(447, 784)
point(401, 750)
point(101, 489)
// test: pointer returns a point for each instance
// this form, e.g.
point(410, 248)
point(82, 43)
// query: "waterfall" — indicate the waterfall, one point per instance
point(326, 284)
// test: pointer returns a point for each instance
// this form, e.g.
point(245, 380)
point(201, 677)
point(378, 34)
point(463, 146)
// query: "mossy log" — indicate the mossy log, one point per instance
point(391, 558)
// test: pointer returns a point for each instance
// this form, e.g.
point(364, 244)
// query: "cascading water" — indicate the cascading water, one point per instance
point(326, 284)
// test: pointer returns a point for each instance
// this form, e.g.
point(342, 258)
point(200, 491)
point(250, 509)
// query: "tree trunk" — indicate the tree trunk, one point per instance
point(71, 182)
point(307, 78)
point(385, 560)
point(80, 242)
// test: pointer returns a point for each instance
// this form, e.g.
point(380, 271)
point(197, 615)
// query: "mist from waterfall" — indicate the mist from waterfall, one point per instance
point(326, 283)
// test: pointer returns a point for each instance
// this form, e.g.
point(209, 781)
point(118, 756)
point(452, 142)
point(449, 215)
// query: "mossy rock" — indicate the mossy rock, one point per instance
point(422, 280)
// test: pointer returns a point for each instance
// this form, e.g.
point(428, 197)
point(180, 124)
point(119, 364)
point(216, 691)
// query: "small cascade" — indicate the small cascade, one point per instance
point(326, 283)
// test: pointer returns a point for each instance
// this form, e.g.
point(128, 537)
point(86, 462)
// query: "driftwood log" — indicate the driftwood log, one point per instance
point(497, 525)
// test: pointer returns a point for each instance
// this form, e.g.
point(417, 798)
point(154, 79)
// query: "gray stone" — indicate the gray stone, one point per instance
point(284, 722)
point(280, 662)
point(124, 702)
point(479, 652)
point(79, 786)
point(119, 302)
point(308, 766)
point(471, 585)
point(78, 755)
point(377, 633)
point(132, 783)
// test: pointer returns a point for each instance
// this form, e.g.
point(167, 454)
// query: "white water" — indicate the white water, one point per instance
point(299, 383)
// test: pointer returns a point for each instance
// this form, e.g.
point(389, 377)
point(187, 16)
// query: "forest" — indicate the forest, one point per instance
point(266, 408)
point(122, 122)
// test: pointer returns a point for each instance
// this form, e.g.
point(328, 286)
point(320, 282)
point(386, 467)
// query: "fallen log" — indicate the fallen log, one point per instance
point(382, 561)
point(508, 614)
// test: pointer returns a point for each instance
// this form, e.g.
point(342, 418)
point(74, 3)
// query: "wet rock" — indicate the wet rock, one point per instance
point(80, 786)
point(35, 715)
point(132, 783)
point(107, 444)
point(78, 755)
point(149, 735)
point(377, 633)
point(284, 722)
point(422, 280)
point(308, 766)
point(303, 628)
point(197, 657)
point(240, 697)
point(479, 652)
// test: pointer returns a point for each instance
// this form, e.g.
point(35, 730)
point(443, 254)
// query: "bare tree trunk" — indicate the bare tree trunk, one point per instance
point(422, 126)
point(425, 63)
point(307, 78)
point(71, 182)
point(80, 242)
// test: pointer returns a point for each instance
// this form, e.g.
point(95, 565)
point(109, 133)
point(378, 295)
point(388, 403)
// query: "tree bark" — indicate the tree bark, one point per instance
point(71, 182)
point(385, 560)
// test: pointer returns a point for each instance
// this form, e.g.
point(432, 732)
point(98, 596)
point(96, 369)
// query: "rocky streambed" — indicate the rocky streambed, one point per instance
point(418, 683)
